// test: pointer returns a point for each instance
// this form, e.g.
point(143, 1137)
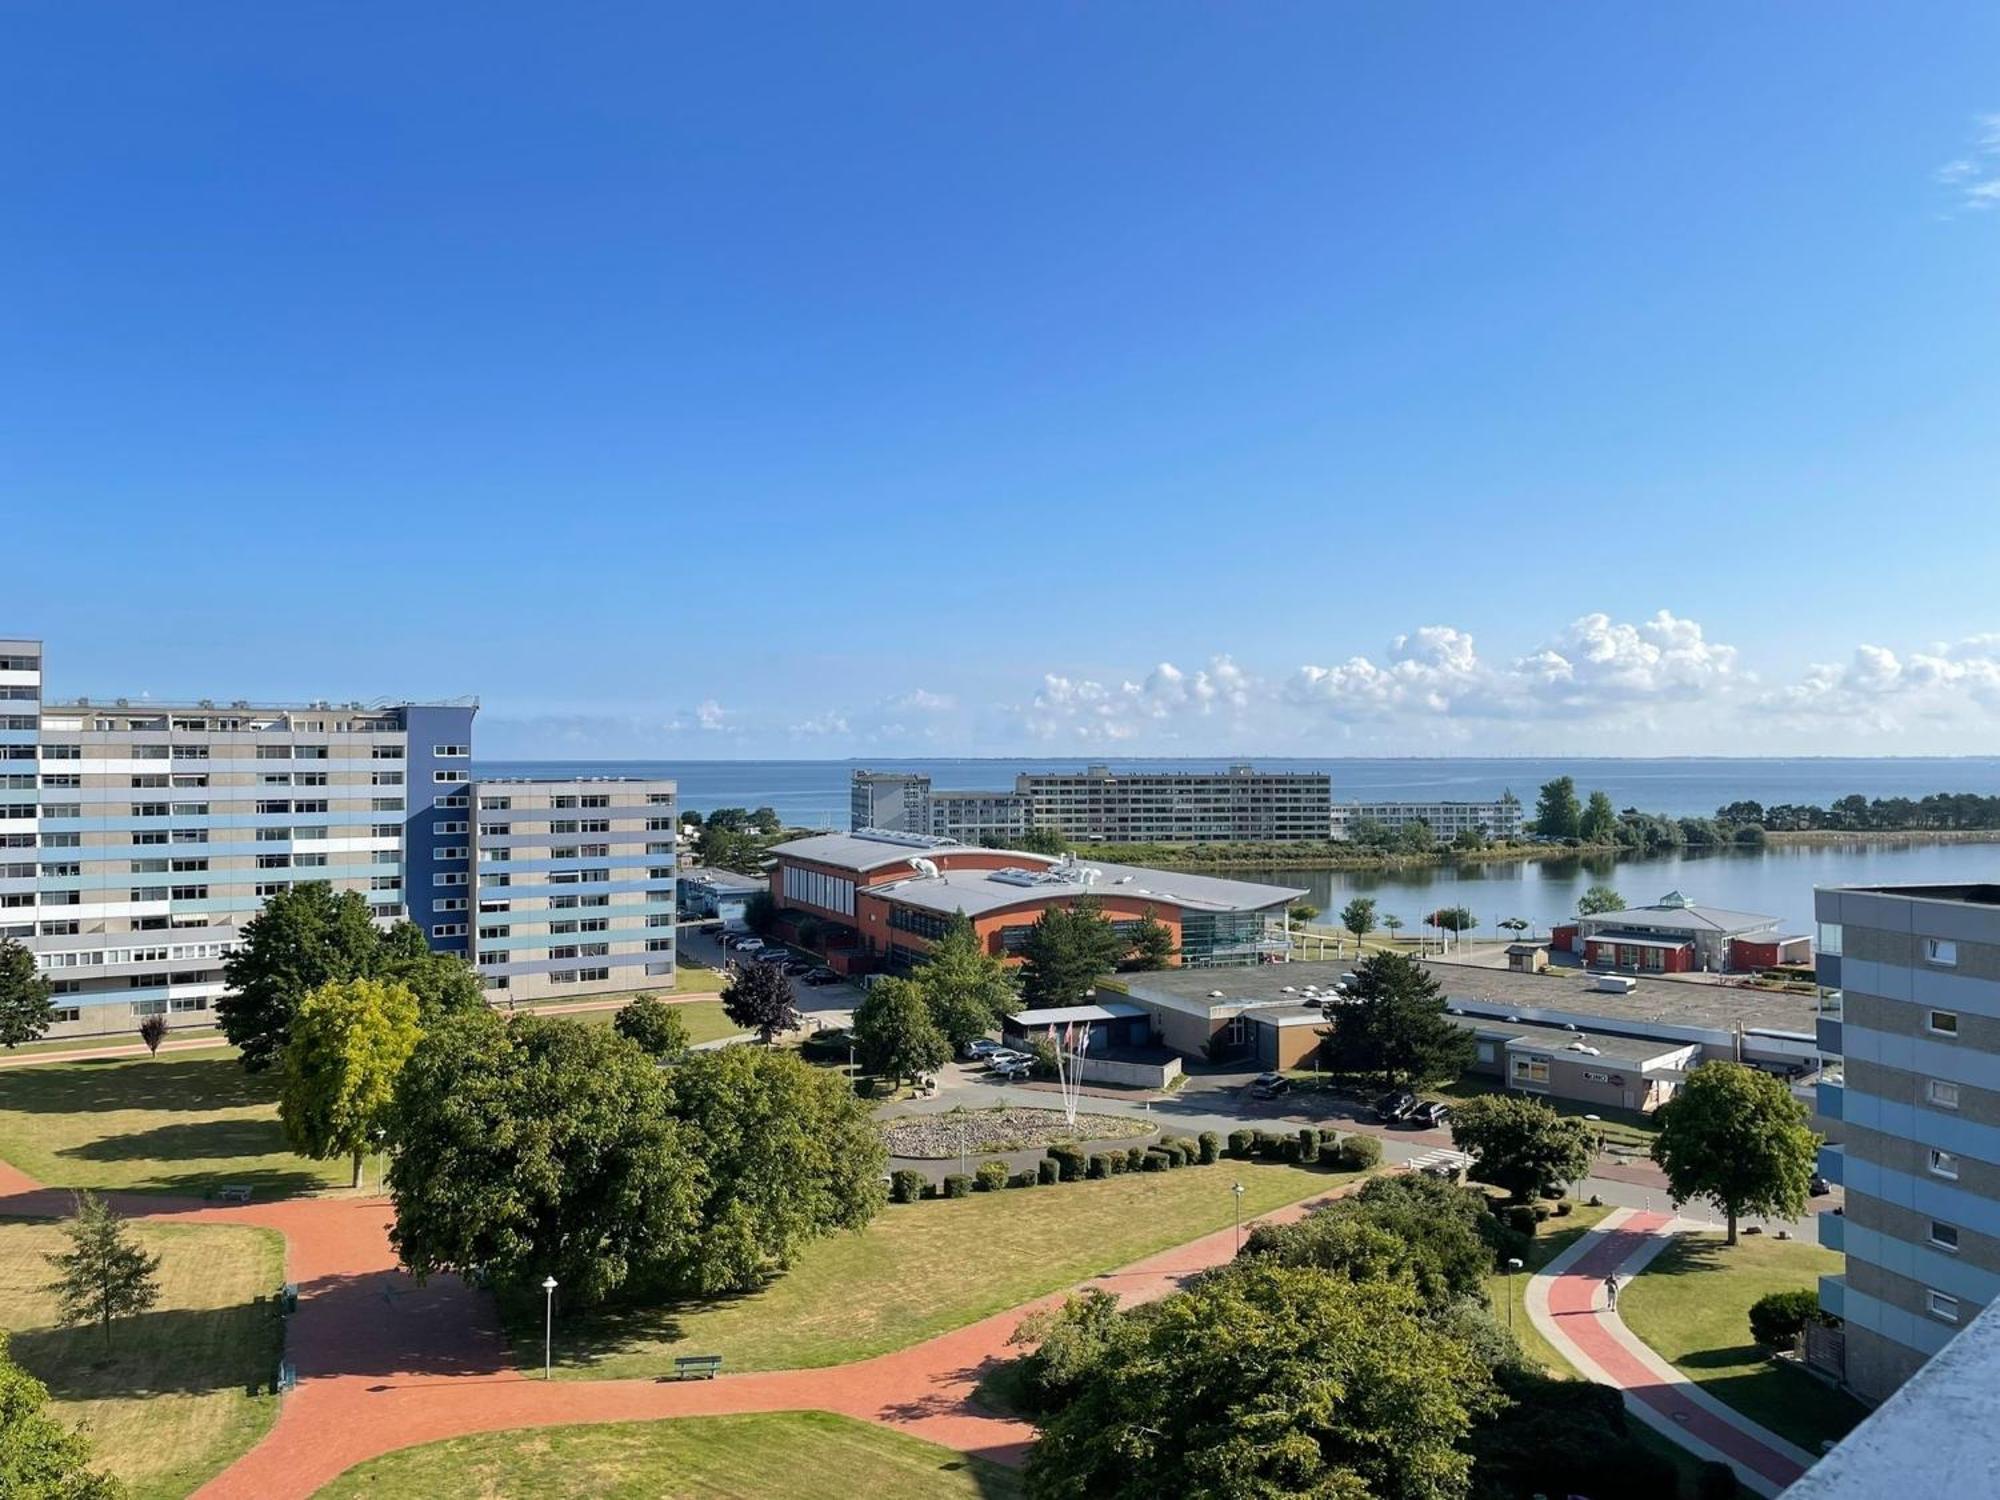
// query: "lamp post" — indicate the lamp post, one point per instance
point(549, 1329)
point(1237, 1189)
point(1513, 1265)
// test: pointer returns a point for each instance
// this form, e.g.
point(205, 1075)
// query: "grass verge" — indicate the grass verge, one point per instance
point(1692, 1305)
point(918, 1270)
point(168, 1405)
point(807, 1455)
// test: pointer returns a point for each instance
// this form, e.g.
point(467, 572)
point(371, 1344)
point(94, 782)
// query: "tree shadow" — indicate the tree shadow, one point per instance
point(610, 1330)
point(150, 1353)
point(197, 1085)
point(202, 1140)
point(384, 1324)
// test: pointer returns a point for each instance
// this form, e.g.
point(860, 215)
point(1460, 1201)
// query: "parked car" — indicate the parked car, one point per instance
point(1430, 1114)
point(1395, 1105)
point(819, 977)
point(748, 944)
point(982, 1047)
point(1007, 1057)
point(1819, 1186)
point(1012, 1072)
point(1269, 1085)
point(798, 968)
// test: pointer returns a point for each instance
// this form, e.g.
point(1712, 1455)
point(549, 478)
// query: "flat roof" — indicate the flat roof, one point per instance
point(1633, 1052)
point(733, 880)
point(976, 891)
point(873, 848)
point(1063, 1015)
point(1972, 893)
point(1675, 913)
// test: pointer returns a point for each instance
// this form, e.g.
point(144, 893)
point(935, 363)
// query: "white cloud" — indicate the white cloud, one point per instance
point(829, 722)
point(922, 700)
point(1883, 691)
point(1974, 179)
point(1163, 701)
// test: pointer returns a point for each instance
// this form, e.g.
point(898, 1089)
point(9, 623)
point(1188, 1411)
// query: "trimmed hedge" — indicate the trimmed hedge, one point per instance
point(1329, 1139)
point(1100, 1164)
point(1157, 1160)
point(1046, 1171)
point(1776, 1318)
point(1135, 1158)
point(1069, 1159)
point(991, 1176)
point(957, 1185)
point(1359, 1153)
point(1023, 1179)
point(1308, 1145)
point(905, 1186)
point(1521, 1218)
point(1242, 1143)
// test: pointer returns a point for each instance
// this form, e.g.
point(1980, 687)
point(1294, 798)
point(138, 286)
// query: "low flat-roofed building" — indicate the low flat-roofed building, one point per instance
point(1678, 936)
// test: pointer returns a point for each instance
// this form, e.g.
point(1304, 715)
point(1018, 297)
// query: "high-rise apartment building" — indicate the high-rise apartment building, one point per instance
point(136, 838)
point(1909, 1027)
point(1500, 819)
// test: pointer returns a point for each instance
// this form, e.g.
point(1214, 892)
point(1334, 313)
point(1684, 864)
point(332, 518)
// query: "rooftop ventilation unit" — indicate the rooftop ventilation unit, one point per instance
point(1015, 875)
point(927, 868)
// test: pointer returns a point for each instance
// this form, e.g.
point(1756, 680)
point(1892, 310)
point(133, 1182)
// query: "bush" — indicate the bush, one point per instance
point(1562, 1209)
point(1521, 1218)
point(1308, 1144)
point(1540, 1211)
point(1069, 1159)
point(1288, 1150)
point(1023, 1179)
point(1135, 1158)
point(1046, 1171)
point(1117, 1160)
point(905, 1186)
point(1186, 1147)
point(1777, 1317)
point(1595, 1201)
point(1241, 1143)
point(1359, 1153)
point(1715, 1480)
point(1100, 1164)
point(1552, 1193)
point(1271, 1145)
point(1211, 1147)
point(957, 1185)
point(1158, 1161)
point(991, 1176)
point(1329, 1140)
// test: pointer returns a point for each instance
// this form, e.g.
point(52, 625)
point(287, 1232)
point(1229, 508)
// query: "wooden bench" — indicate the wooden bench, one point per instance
point(235, 1192)
point(691, 1366)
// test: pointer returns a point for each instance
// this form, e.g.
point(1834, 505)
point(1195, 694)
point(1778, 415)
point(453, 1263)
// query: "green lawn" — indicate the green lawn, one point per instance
point(808, 1455)
point(167, 1406)
point(1620, 1127)
point(113, 1039)
point(182, 1122)
point(1692, 1305)
point(703, 1018)
point(1552, 1237)
point(919, 1270)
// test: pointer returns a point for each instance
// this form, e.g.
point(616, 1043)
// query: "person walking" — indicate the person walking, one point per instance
point(1611, 1292)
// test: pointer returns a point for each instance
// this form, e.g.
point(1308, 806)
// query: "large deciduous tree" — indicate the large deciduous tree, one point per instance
point(1068, 950)
point(966, 990)
point(304, 937)
point(1266, 1381)
point(787, 1153)
point(1417, 1229)
point(1558, 814)
point(656, 1026)
point(1737, 1137)
point(443, 983)
point(894, 1032)
point(758, 998)
point(26, 1010)
point(1358, 916)
point(1599, 823)
point(1391, 1024)
point(349, 1042)
point(40, 1458)
point(104, 1274)
point(1520, 1144)
point(536, 1147)
point(1597, 900)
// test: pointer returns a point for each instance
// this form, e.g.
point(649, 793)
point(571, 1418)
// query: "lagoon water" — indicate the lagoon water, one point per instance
point(1778, 881)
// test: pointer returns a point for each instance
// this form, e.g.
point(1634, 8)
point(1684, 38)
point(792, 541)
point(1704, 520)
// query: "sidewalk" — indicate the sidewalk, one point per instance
point(1565, 1300)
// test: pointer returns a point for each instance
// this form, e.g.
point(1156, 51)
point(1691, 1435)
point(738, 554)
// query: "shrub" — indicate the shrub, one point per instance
point(1777, 1317)
point(1158, 1160)
point(905, 1186)
point(1186, 1147)
point(1023, 1179)
point(1308, 1144)
point(1329, 1140)
point(991, 1176)
point(1100, 1164)
point(1047, 1171)
point(1211, 1147)
point(1288, 1150)
point(1241, 1143)
point(1552, 1193)
point(1521, 1218)
point(1117, 1160)
point(1715, 1480)
point(1135, 1158)
point(1271, 1145)
point(1359, 1153)
point(1562, 1209)
point(1541, 1212)
point(957, 1185)
point(1595, 1201)
point(1069, 1159)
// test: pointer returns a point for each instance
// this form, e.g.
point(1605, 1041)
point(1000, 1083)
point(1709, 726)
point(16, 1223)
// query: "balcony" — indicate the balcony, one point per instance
point(1833, 1231)
point(1833, 1295)
point(1833, 1164)
point(1828, 1099)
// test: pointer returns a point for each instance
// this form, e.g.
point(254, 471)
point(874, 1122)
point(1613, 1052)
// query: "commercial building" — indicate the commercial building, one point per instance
point(880, 899)
point(1678, 936)
point(721, 896)
point(1446, 820)
point(137, 837)
point(574, 887)
point(1910, 1028)
point(1098, 805)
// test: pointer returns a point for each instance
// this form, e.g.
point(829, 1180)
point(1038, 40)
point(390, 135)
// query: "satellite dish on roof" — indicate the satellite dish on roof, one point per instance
point(1215, 994)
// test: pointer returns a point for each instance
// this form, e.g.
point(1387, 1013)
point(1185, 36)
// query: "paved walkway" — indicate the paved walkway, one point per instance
point(385, 1364)
point(1566, 1301)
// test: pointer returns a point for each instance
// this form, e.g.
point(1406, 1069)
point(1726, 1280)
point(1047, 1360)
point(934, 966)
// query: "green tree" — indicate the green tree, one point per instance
point(153, 1031)
point(350, 1040)
point(656, 1026)
point(1415, 1229)
point(787, 1155)
point(1268, 1381)
point(1470, 840)
point(1301, 912)
point(758, 998)
point(1039, 841)
point(1558, 814)
point(1452, 919)
point(1392, 1024)
point(533, 1147)
point(1599, 823)
point(40, 1459)
point(1736, 1136)
point(443, 983)
point(1068, 950)
point(965, 988)
point(894, 1032)
point(1391, 923)
point(304, 937)
point(1153, 945)
point(104, 1274)
point(26, 1011)
point(1358, 916)
point(1522, 1145)
point(1597, 900)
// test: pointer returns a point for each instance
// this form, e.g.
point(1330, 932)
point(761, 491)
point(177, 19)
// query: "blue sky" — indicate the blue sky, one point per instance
point(940, 378)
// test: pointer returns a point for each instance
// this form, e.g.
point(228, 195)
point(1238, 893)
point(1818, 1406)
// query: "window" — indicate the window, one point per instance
point(64, 1013)
point(443, 752)
point(385, 778)
point(448, 877)
point(1941, 1094)
point(1943, 1308)
point(448, 930)
point(496, 804)
point(590, 975)
point(457, 826)
point(1531, 1071)
point(1944, 1022)
point(1941, 951)
point(1944, 1164)
point(443, 776)
point(1944, 1236)
point(449, 903)
point(388, 752)
point(457, 799)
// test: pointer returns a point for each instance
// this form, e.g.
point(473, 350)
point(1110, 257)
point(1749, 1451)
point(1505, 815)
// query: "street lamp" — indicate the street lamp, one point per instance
point(1237, 1189)
point(1513, 1265)
point(549, 1328)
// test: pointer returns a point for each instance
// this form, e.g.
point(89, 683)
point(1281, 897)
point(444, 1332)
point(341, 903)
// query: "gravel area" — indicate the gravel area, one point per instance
point(934, 1137)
